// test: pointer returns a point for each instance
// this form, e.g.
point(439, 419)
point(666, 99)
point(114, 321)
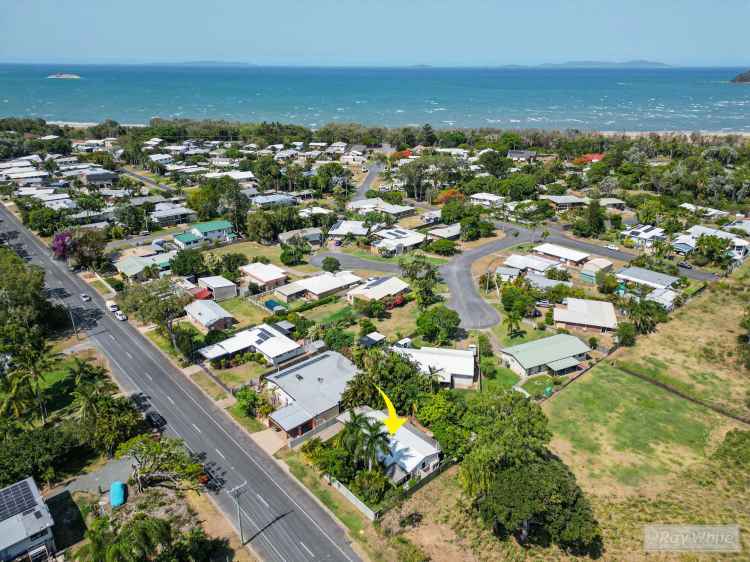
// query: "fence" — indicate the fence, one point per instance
point(297, 441)
point(354, 500)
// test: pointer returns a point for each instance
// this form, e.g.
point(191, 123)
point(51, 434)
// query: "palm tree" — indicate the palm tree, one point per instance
point(32, 363)
point(85, 399)
point(512, 322)
point(84, 370)
point(375, 442)
point(18, 396)
point(351, 438)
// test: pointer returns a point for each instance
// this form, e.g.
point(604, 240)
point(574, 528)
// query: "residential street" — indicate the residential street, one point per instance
point(281, 521)
point(372, 173)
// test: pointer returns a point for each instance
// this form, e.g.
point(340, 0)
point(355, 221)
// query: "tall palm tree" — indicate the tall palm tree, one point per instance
point(32, 363)
point(351, 437)
point(84, 370)
point(375, 442)
point(85, 399)
point(18, 397)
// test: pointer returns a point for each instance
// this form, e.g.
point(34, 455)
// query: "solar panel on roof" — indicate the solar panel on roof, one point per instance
point(16, 499)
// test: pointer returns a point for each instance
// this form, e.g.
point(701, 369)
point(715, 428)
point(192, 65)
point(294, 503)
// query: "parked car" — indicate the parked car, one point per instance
point(120, 315)
point(544, 303)
point(612, 247)
point(85, 297)
point(685, 265)
point(112, 306)
point(155, 420)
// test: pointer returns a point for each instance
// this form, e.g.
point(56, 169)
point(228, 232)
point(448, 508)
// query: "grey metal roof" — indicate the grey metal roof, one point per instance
point(546, 350)
point(23, 513)
point(647, 277)
point(315, 385)
point(542, 283)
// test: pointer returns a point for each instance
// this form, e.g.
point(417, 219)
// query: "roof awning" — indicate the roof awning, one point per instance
point(562, 364)
point(290, 416)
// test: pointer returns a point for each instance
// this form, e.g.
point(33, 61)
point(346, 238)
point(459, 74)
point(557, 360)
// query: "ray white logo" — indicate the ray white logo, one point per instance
point(691, 538)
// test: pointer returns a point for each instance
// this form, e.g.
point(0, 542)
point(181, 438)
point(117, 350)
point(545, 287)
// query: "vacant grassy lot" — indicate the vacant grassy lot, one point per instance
point(619, 432)
point(245, 312)
point(319, 313)
point(696, 351)
point(402, 322)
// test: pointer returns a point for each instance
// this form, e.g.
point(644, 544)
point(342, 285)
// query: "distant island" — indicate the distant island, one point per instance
point(604, 64)
point(743, 78)
point(64, 76)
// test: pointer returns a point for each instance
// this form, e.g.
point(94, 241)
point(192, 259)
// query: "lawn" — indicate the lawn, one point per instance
point(245, 312)
point(527, 334)
point(209, 386)
point(402, 322)
point(502, 379)
point(366, 255)
point(254, 249)
point(536, 385)
point(252, 425)
point(100, 287)
point(318, 313)
point(162, 343)
point(241, 374)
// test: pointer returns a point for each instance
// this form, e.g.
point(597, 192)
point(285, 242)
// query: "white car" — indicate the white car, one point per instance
point(85, 297)
point(120, 315)
point(612, 247)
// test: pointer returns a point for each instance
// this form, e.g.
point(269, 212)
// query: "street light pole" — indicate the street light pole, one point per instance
point(235, 493)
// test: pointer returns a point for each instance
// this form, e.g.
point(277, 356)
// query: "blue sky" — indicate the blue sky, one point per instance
point(388, 32)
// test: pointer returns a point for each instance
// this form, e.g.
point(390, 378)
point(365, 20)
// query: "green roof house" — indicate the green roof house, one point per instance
point(210, 231)
point(134, 267)
point(557, 355)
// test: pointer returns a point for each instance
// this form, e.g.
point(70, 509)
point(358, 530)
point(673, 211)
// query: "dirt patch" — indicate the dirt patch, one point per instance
point(216, 526)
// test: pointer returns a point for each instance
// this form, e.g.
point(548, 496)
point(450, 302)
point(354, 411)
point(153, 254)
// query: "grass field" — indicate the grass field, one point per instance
point(245, 312)
point(319, 313)
point(696, 351)
point(502, 379)
point(254, 249)
point(100, 287)
point(618, 431)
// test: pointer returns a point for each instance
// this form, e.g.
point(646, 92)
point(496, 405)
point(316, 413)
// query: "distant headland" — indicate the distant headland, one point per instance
point(743, 78)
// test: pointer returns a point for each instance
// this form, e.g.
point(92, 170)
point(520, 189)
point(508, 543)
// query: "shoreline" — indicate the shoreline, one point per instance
point(628, 134)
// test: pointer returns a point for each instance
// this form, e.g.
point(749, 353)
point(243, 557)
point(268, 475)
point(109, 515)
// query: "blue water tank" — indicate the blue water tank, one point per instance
point(117, 494)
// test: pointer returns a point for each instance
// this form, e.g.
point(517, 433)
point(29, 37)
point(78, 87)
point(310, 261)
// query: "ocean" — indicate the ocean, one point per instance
point(670, 99)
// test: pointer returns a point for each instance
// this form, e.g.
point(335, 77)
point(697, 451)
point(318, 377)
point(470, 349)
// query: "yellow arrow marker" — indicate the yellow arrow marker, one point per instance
point(393, 421)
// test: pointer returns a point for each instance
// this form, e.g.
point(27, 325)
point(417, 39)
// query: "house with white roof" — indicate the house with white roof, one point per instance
point(534, 264)
point(309, 393)
point(376, 204)
point(266, 276)
point(450, 232)
point(264, 339)
point(644, 235)
point(563, 203)
point(489, 200)
point(162, 159)
point(454, 367)
point(233, 174)
point(584, 313)
point(397, 240)
point(344, 228)
point(707, 212)
point(378, 289)
point(561, 253)
point(317, 286)
point(411, 454)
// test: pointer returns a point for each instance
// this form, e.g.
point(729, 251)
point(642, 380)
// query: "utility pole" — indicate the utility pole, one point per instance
point(236, 492)
point(72, 318)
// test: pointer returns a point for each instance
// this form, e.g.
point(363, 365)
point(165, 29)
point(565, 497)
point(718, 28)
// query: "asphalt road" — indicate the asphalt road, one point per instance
point(475, 312)
point(372, 173)
point(281, 521)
